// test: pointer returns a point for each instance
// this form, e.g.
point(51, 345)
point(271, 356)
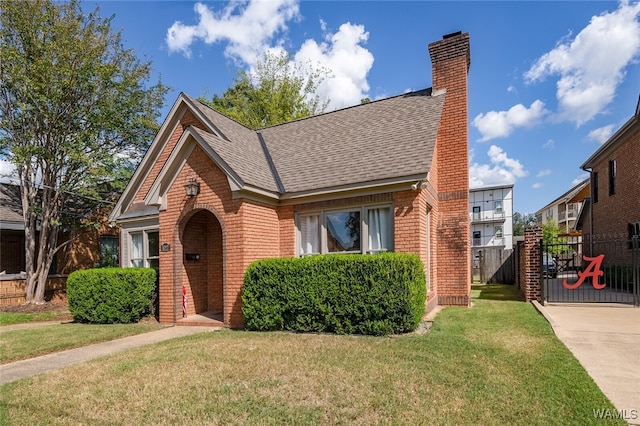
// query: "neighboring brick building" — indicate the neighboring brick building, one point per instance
point(388, 175)
point(614, 206)
point(615, 182)
point(89, 246)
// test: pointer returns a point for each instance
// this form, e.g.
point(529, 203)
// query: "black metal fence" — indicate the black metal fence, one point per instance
point(592, 269)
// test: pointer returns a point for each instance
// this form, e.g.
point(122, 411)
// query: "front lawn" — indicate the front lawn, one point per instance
point(496, 363)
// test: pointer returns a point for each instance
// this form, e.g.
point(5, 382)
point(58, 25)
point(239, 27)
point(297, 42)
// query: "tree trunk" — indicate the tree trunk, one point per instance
point(50, 242)
point(29, 238)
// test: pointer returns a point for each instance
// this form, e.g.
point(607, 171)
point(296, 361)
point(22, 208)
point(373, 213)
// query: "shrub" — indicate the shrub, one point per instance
point(111, 295)
point(366, 294)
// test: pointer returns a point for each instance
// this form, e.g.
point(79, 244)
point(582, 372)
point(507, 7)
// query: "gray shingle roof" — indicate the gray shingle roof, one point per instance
point(10, 203)
point(385, 139)
point(245, 157)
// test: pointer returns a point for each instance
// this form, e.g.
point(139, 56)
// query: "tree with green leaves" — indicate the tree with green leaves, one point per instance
point(277, 92)
point(73, 103)
point(550, 238)
point(522, 221)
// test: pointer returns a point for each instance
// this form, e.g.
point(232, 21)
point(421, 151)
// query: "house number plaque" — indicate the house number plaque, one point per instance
point(165, 247)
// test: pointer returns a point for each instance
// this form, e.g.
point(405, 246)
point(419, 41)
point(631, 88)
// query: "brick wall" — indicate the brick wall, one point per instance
point(450, 58)
point(531, 270)
point(13, 291)
point(228, 234)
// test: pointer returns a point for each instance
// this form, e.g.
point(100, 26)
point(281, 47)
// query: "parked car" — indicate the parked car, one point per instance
point(549, 267)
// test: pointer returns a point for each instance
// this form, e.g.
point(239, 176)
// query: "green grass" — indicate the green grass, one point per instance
point(8, 318)
point(30, 342)
point(493, 364)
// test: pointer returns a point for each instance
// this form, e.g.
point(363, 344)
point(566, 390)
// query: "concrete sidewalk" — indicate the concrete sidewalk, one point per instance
point(42, 364)
point(605, 338)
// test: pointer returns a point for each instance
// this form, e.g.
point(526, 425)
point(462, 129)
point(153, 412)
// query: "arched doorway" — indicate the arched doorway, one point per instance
point(202, 261)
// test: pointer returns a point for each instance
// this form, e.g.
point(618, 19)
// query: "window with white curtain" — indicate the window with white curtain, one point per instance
point(144, 249)
point(379, 229)
point(137, 257)
point(364, 229)
point(309, 234)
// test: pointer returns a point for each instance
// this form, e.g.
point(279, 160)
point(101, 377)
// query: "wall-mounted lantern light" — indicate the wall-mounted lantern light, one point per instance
point(192, 188)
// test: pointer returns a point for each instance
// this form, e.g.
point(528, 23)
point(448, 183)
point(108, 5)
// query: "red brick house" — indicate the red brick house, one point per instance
point(614, 206)
point(388, 175)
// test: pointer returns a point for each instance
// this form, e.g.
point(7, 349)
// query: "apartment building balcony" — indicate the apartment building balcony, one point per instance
point(487, 217)
point(571, 214)
point(487, 241)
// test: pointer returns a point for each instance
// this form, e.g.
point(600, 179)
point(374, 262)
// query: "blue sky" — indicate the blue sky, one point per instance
point(549, 81)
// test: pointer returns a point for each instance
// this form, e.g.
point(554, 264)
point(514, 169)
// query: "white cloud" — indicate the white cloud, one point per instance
point(248, 28)
point(542, 173)
point(349, 62)
point(601, 134)
point(579, 179)
point(500, 124)
point(502, 171)
point(592, 65)
point(549, 144)
point(537, 185)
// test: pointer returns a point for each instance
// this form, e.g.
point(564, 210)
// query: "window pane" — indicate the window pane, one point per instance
point(477, 238)
point(476, 212)
point(136, 249)
point(343, 231)
point(154, 244)
point(379, 221)
point(109, 250)
point(310, 234)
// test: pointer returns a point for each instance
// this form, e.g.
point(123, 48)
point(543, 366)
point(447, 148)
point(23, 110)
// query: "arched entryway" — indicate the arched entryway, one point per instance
point(202, 262)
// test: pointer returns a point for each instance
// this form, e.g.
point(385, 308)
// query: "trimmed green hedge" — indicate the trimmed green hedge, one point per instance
point(111, 295)
point(365, 294)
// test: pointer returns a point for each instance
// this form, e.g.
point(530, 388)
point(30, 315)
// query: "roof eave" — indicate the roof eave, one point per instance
point(402, 183)
point(611, 143)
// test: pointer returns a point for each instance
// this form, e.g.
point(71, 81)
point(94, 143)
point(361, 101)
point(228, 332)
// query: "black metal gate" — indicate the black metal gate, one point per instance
point(604, 270)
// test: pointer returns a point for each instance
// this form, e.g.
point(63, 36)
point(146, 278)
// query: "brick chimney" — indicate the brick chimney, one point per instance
point(450, 59)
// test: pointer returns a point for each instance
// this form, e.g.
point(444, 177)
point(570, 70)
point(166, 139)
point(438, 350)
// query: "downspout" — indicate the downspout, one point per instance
point(592, 188)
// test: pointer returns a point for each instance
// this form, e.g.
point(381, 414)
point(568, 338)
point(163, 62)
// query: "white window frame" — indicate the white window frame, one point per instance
point(146, 257)
point(498, 231)
point(364, 228)
point(497, 206)
point(299, 220)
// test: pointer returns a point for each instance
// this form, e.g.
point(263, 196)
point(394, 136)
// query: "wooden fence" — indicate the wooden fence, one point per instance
point(494, 265)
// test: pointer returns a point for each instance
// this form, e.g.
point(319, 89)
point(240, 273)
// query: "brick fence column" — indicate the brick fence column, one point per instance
point(533, 275)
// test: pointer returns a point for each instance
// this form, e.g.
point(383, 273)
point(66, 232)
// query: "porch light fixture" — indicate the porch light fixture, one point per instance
point(192, 188)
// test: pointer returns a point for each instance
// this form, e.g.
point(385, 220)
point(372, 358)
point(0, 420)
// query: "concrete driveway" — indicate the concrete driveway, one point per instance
point(605, 338)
